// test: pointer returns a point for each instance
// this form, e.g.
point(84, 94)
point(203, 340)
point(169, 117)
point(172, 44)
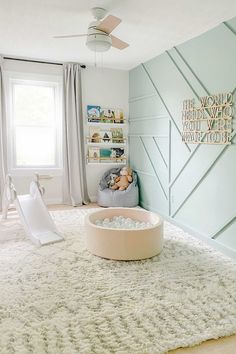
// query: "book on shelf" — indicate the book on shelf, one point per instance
point(93, 113)
point(118, 153)
point(119, 116)
point(117, 135)
point(93, 154)
point(98, 114)
point(94, 135)
point(98, 135)
point(107, 115)
point(106, 136)
point(112, 154)
point(106, 155)
point(111, 115)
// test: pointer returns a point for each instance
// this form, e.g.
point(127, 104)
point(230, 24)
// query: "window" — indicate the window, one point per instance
point(35, 124)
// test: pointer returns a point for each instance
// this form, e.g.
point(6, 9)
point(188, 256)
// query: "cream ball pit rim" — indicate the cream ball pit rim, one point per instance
point(124, 244)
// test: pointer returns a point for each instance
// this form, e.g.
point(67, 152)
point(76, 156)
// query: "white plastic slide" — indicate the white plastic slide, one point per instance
point(33, 213)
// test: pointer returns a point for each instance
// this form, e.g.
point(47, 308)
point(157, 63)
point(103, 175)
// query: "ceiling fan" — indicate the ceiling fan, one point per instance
point(99, 37)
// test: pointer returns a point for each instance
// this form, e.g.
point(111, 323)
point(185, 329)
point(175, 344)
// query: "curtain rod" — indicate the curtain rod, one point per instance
point(40, 62)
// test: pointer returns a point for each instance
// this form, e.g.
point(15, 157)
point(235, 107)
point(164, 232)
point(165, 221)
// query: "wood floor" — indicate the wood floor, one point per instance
point(226, 345)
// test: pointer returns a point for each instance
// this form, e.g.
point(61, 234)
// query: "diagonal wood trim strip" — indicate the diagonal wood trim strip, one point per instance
point(224, 227)
point(162, 188)
point(159, 150)
point(186, 163)
point(230, 28)
point(207, 92)
point(161, 98)
point(145, 173)
point(143, 97)
point(182, 74)
point(192, 71)
point(201, 179)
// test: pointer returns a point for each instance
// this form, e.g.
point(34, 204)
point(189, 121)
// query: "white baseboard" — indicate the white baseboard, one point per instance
point(211, 242)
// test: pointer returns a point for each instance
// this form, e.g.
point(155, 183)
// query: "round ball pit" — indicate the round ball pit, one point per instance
point(124, 244)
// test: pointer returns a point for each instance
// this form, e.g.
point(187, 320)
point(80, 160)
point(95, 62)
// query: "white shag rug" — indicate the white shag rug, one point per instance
point(60, 299)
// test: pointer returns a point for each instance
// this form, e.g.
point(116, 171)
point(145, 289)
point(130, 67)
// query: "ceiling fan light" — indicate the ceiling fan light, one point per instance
point(99, 43)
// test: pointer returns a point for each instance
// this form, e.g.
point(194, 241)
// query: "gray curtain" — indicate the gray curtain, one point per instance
point(3, 134)
point(74, 180)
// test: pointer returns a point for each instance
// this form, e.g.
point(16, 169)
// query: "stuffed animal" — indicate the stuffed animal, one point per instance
point(122, 182)
point(111, 182)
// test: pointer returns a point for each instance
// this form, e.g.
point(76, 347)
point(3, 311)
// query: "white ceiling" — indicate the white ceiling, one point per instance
point(149, 26)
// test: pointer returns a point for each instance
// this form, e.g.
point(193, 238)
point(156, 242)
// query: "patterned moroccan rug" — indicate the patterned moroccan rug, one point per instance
point(59, 299)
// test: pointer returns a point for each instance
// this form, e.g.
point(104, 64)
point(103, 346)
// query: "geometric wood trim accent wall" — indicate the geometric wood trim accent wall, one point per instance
point(185, 177)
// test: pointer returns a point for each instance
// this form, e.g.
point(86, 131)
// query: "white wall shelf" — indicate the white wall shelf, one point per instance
point(107, 144)
point(107, 163)
point(115, 125)
point(98, 149)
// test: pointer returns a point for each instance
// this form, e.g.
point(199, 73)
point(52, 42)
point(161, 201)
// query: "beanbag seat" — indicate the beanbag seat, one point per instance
point(107, 197)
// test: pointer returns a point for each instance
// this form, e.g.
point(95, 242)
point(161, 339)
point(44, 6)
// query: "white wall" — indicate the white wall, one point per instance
point(105, 87)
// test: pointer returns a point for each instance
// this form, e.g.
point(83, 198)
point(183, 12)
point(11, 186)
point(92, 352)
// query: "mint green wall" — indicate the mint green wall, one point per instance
point(195, 185)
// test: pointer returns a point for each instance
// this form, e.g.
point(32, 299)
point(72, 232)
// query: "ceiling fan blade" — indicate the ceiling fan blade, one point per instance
point(118, 43)
point(109, 24)
point(71, 36)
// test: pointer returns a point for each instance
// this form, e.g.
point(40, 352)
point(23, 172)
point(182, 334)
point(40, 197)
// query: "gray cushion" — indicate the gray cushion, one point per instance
point(109, 198)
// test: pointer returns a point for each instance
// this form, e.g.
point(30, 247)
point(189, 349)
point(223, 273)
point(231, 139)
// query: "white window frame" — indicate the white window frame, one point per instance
point(12, 79)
